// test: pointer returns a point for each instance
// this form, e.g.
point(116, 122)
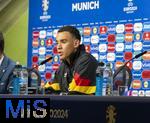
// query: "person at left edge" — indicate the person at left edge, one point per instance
point(6, 68)
point(77, 71)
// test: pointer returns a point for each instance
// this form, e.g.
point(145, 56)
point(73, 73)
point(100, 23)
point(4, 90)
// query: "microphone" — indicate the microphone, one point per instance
point(140, 54)
point(43, 62)
point(137, 56)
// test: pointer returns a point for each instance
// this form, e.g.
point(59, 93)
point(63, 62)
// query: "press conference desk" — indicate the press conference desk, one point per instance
point(94, 109)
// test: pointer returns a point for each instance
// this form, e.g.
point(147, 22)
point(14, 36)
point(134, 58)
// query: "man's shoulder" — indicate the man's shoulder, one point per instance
point(9, 61)
point(87, 56)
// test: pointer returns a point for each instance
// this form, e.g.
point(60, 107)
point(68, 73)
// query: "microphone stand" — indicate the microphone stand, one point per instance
point(33, 69)
point(124, 71)
point(138, 55)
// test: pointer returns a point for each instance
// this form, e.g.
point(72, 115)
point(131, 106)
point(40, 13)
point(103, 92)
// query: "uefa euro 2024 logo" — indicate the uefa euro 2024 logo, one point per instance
point(45, 5)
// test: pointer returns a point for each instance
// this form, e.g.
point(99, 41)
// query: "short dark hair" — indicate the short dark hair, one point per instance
point(1, 43)
point(73, 30)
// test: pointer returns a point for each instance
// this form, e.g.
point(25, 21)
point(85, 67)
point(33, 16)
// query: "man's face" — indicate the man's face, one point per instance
point(66, 44)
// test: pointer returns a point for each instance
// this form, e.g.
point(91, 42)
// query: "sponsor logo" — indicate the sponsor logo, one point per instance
point(111, 47)
point(35, 34)
point(111, 38)
point(103, 38)
point(146, 46)
point(103, 29)
point(146, 26)
point(49, 51)
point(42, 34)
point(146, 74)
point(137, 46)
point(34, 58)
point(87, 40)
point(118, 64)
point(128, 46)
point(41, 68)
point(42, 51)
point(35, 51)
point(119, 47)
point(49, 42)
point(95, 39)
point(137, 37)
point(146, 36)
point(49, 33)
point(136, 84)
point(48, 67)
point(42, 42)
point(145, 84)
point(95, 30)
point(120, 38)
point(128, 27)
point(111, 28)
point(127, 55)
point(55, 50)
point(55, 66)
point(119, 56)
point(128, 37)
point(146, 65)
point(55, 32)
point(120, 28)
point(137, 65)
point(102, 57)
point(134, 93)
point(56, 58)
point(86, 31)
point(147, 93)
point(94, 48)
point(141, 93)
point(48, 75)
point(35, 43)
point(84, 6)
point(110, 56)
point(136, 74)
point(102, 47)
point(138, 27)
point(87, 48)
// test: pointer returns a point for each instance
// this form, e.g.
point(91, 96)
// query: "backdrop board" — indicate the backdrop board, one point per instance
point(112, 31)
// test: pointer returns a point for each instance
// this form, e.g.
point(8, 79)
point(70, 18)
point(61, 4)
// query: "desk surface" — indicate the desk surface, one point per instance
point(95, 109)
point(82, 98)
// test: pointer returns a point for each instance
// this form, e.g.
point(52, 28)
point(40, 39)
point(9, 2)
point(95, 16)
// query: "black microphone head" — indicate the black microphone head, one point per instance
point(43, 62)
point(138, 55)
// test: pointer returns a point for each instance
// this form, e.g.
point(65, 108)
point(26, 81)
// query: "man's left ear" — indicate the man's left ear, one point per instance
point(76, 43)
